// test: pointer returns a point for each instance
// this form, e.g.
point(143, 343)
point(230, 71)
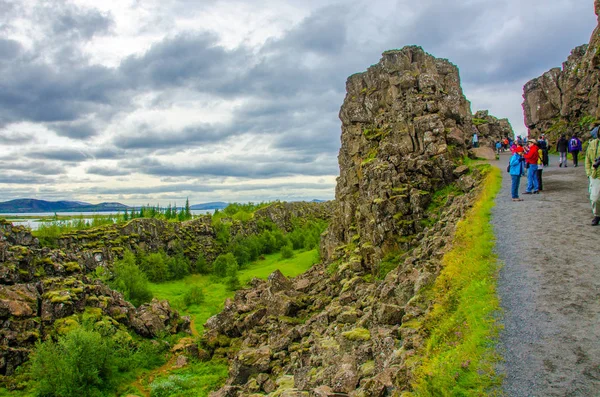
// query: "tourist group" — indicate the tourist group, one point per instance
point(529, 157)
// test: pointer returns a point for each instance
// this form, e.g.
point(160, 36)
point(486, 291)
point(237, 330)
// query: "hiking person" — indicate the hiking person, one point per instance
point(592, 164)
point(574, 148)
point(540, 169)
point(498, 147)
point(562, 146)
point(542, 144)
point(516, 170)
point(531, 157)
point(475, 140)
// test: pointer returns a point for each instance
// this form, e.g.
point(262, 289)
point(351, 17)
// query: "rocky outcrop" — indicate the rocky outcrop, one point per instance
point(491, 129)
point(568, 98)
point(404, 123)
point(344, 327)
point(43, 290)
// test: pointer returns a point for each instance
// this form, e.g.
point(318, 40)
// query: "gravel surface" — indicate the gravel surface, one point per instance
point(549, 286)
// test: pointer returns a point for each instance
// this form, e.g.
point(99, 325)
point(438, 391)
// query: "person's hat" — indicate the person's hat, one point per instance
point(532, 141)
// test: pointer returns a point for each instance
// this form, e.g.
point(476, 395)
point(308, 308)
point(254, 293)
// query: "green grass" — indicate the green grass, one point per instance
point(197, 379)
point(216, 293)
point(458, 357)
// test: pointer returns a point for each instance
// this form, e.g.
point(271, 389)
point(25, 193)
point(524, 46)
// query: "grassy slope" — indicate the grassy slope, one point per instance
point(216, 293)
point(199, 378)
point(459, 354)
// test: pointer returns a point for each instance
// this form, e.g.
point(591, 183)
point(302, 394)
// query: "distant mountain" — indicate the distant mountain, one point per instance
point(33, 205)
point(318, 201)
point(217, 205)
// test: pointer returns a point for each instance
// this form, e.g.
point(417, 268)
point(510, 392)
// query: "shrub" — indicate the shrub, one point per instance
point(222, 264)
point(155, 267)
point(194, 296)
point(80, 363)
point(287, 251)
point(179, 266)
point(130, 280)
point(202, 266)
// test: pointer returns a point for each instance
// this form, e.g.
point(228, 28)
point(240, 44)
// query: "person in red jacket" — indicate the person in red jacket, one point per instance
point(531, 158)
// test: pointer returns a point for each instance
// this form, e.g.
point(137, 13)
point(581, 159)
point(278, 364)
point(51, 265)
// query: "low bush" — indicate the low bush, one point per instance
point(194, 296)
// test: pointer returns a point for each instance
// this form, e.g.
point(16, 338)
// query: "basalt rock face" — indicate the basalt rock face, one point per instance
point(404, 122)
point(42, 289)
point(491, 129)
point(568, 98)
point(338, 330)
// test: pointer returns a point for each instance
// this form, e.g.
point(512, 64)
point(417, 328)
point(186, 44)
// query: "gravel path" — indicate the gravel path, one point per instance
point(549, 286)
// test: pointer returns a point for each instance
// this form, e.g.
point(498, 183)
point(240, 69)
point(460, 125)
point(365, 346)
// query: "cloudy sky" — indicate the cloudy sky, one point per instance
point(153, 101)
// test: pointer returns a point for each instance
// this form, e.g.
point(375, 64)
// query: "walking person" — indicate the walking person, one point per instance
point(475, 140)
point(516, 170)
point(562, 147)
point(531, 157)
point(544, 145)
point(574, 148)
point(540, 169)
point(592, 170)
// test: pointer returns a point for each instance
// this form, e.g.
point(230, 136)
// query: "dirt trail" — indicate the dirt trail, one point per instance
point(164, 369)
point(549, 286)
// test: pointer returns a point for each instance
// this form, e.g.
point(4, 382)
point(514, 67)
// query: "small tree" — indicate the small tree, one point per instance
point(223, 264)
point(194, 296)
point(130, 280)
point(80, 363)
point(202, 266)
point(287, 251)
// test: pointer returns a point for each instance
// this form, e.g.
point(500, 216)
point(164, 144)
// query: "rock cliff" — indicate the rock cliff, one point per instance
point(404, 123)
point(491, 129)
point(568, 98)
point(344, 327)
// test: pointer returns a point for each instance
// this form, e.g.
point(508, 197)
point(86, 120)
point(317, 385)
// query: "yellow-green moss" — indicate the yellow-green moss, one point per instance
point(458, 355)
point(357, 334)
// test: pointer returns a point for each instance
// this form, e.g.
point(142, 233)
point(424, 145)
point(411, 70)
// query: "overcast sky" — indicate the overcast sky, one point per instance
point(153, 101)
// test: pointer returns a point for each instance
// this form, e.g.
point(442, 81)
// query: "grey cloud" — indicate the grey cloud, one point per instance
point(148, 138)
point(82, 23)
point(62, 154)
point(15, 138)
point(107, 171)
point(23, 179)
point(236, 168)
point(185, 59)
point(75, 130)
point(9, 49)
point(323, 32)
point(199, 188)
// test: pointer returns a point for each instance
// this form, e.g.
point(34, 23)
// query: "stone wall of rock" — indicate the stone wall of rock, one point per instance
point(405, 121)
point(566, 99)
point(491, 129)
point(335, 330)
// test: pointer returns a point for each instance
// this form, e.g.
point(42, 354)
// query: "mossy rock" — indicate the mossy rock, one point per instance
point(357, 334)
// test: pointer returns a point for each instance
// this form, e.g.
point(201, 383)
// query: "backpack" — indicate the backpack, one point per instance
point(573, 143)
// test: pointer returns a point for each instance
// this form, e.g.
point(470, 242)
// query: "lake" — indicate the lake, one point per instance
point(32, 221)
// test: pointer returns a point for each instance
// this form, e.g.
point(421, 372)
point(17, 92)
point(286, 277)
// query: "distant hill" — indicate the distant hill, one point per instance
point(33, 205)
point(217, 205)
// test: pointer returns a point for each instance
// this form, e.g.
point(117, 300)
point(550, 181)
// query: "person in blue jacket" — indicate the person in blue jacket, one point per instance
point(516, 170)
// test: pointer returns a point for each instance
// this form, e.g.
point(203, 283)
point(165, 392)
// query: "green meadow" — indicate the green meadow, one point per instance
point(215, 292)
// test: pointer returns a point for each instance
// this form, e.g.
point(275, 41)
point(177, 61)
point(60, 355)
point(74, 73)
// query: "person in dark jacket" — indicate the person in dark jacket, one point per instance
point(574, 148)
point(562, 147)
